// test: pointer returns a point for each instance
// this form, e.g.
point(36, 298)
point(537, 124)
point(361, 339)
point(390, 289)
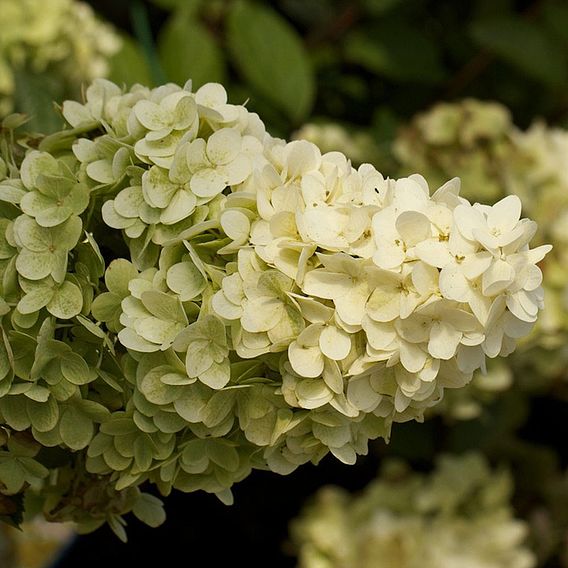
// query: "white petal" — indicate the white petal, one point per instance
point(505, 214)
point(433, 252)
point(388, 255)
point(413, 227)
point(453, 284)
point(497, 278)
point(474, 265)
point(306, 361)
point(468, 219)
point(412, 357)
point(444, 340)
point(361, 394)
point(335, 343)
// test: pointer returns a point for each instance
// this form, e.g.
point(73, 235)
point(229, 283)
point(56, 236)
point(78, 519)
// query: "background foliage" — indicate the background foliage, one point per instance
point(370, 66)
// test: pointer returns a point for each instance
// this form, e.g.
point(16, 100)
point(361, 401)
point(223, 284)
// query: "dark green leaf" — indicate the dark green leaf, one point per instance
point(189, 51)
point(271, 57)
point(525, 45)
point(129, 65)
point(397, 51)
point(35, 96)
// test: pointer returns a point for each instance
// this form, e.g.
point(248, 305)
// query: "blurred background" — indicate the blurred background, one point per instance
point(476, 89)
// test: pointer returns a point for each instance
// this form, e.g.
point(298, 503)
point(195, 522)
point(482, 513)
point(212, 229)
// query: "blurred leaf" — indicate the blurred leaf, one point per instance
point(142, 27)
point(379, 7)
point(129, 65)
point(396, 50)
point(192, 5)
point(270, 55)
point(12, 509)
point(313, 13)
point(35, 96)
point(524, 45)
point(555, 16)
point(189, 51)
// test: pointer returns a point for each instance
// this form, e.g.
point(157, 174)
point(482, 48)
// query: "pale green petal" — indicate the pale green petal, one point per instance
point(36, 299)
point(118, 275)
point(181, 206)
point(35, 265)
point(186, 280)
point(54, 216)
point(217, 375)
point(207, 183)
point(67, 301)
point(131, 340)
point(306, 361)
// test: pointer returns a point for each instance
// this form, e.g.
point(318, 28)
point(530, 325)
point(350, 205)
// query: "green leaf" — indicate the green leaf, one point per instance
point(271, 57)
point(555, 17)
point(395, 50)
point(129, 66)
point(188, 5)
point(525, 45)
point(189, 51)
point(163, 306)
point(34, 96)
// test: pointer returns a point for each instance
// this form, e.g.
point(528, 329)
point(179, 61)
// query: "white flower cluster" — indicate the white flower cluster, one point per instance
point(369, 296)
point(478, 141)
point(381, 294)
point(458, 516)
point(62, 36)
point(263, 304)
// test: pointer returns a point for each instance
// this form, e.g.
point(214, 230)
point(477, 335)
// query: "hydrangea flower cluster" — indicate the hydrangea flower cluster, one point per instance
point(470, 136)
point(458, 515)
point(62, 36)
point(478, 142)
point(185, 298)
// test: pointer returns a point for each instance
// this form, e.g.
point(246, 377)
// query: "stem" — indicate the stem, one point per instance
point(143, 33)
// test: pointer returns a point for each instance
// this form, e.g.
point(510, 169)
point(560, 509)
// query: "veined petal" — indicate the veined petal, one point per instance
point(324, 284)
point(261, 314)
point(444, 340)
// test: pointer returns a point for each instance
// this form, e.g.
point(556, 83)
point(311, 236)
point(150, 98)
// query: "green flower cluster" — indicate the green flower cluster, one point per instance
point(60, 36)
point(478, 142)
point(185, 298)
point(458, 515)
